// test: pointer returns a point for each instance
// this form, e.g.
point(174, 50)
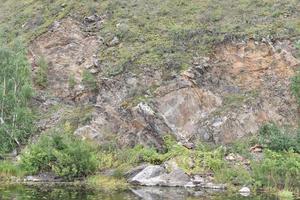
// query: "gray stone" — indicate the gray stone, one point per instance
point(148, 176)
point(91, 19)
point(158, 176)
point(245, 191)
point(198, 179)
point(214, 186)
point(176, 178)
point(115, 41)
point(94, 70)
point(43, 177)
point(88, 132)
point(131, 173)
point(155, 175)
point(96, 61)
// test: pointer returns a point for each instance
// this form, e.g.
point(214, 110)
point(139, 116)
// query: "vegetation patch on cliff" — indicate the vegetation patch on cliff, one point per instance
point(16, 116)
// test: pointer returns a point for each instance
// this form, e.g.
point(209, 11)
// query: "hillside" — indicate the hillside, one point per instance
point(163, 81)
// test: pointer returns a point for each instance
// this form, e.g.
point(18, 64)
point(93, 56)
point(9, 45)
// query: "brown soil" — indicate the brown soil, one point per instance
point(250, 63)
point(68, 50)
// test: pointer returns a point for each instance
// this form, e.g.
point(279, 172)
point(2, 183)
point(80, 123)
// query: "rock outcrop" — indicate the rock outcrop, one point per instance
point(218, 99)
point(69, 51)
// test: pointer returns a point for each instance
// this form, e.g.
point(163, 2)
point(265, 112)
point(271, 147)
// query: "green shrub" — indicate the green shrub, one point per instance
point(295, 87)
point(42, 73)
point(8, 169)
point(278, 169)
point(236, 175)
point(128, 157)
point(285, 195)
point(242, 146)
point(89, 80)
point(16, 117)
point(63, 154)
point(204, 159)
point(140, 154)
point(209, 160)
point(278, 140)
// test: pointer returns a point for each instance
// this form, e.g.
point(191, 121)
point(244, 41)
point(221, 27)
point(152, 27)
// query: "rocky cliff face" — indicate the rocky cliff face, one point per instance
point(218, 99)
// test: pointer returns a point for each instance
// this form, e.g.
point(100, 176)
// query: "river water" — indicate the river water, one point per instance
point(148, 193)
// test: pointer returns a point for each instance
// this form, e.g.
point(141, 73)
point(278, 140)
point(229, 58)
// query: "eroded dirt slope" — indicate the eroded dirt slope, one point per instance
point(68, 50)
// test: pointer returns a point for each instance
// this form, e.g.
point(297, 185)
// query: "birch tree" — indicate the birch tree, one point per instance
point(16, 117)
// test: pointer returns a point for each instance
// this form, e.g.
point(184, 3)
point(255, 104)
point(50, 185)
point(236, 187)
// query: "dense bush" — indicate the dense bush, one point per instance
point(276, 139)
point(128, 157)
point(16, 118)
point(62, 154)
point(278, 169)
point(8, 169)
point(204, 159)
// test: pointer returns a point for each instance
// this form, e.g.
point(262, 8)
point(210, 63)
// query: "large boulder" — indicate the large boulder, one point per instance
point(149, 176)
point(155, 175)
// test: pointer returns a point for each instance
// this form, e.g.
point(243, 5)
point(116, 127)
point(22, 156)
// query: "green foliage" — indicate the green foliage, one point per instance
point(295, 86)
point(27, 19)
point(168, 35)
point(285, 195)
point(209, 160)
point(71, 82)
point(126, 158)
point(235, 175)
point(279, 170)
point(42, 72)
point(66, 156)
point(297, 45)
point(8, 169)
point(140, 154)
point(89, 80)
point(278, 140)
point(16, 117)
point(205, 160)
point(242, 146)
point(157, 34)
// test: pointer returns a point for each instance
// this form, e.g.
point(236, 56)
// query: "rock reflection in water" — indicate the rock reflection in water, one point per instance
point(140, 193)
point(171, 193)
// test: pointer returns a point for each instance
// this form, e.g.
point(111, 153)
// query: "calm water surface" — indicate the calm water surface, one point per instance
point(58, 193)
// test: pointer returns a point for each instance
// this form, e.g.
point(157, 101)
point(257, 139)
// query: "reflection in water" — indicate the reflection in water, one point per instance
point(35, 193)
point(165, 193)
point(145, 193)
